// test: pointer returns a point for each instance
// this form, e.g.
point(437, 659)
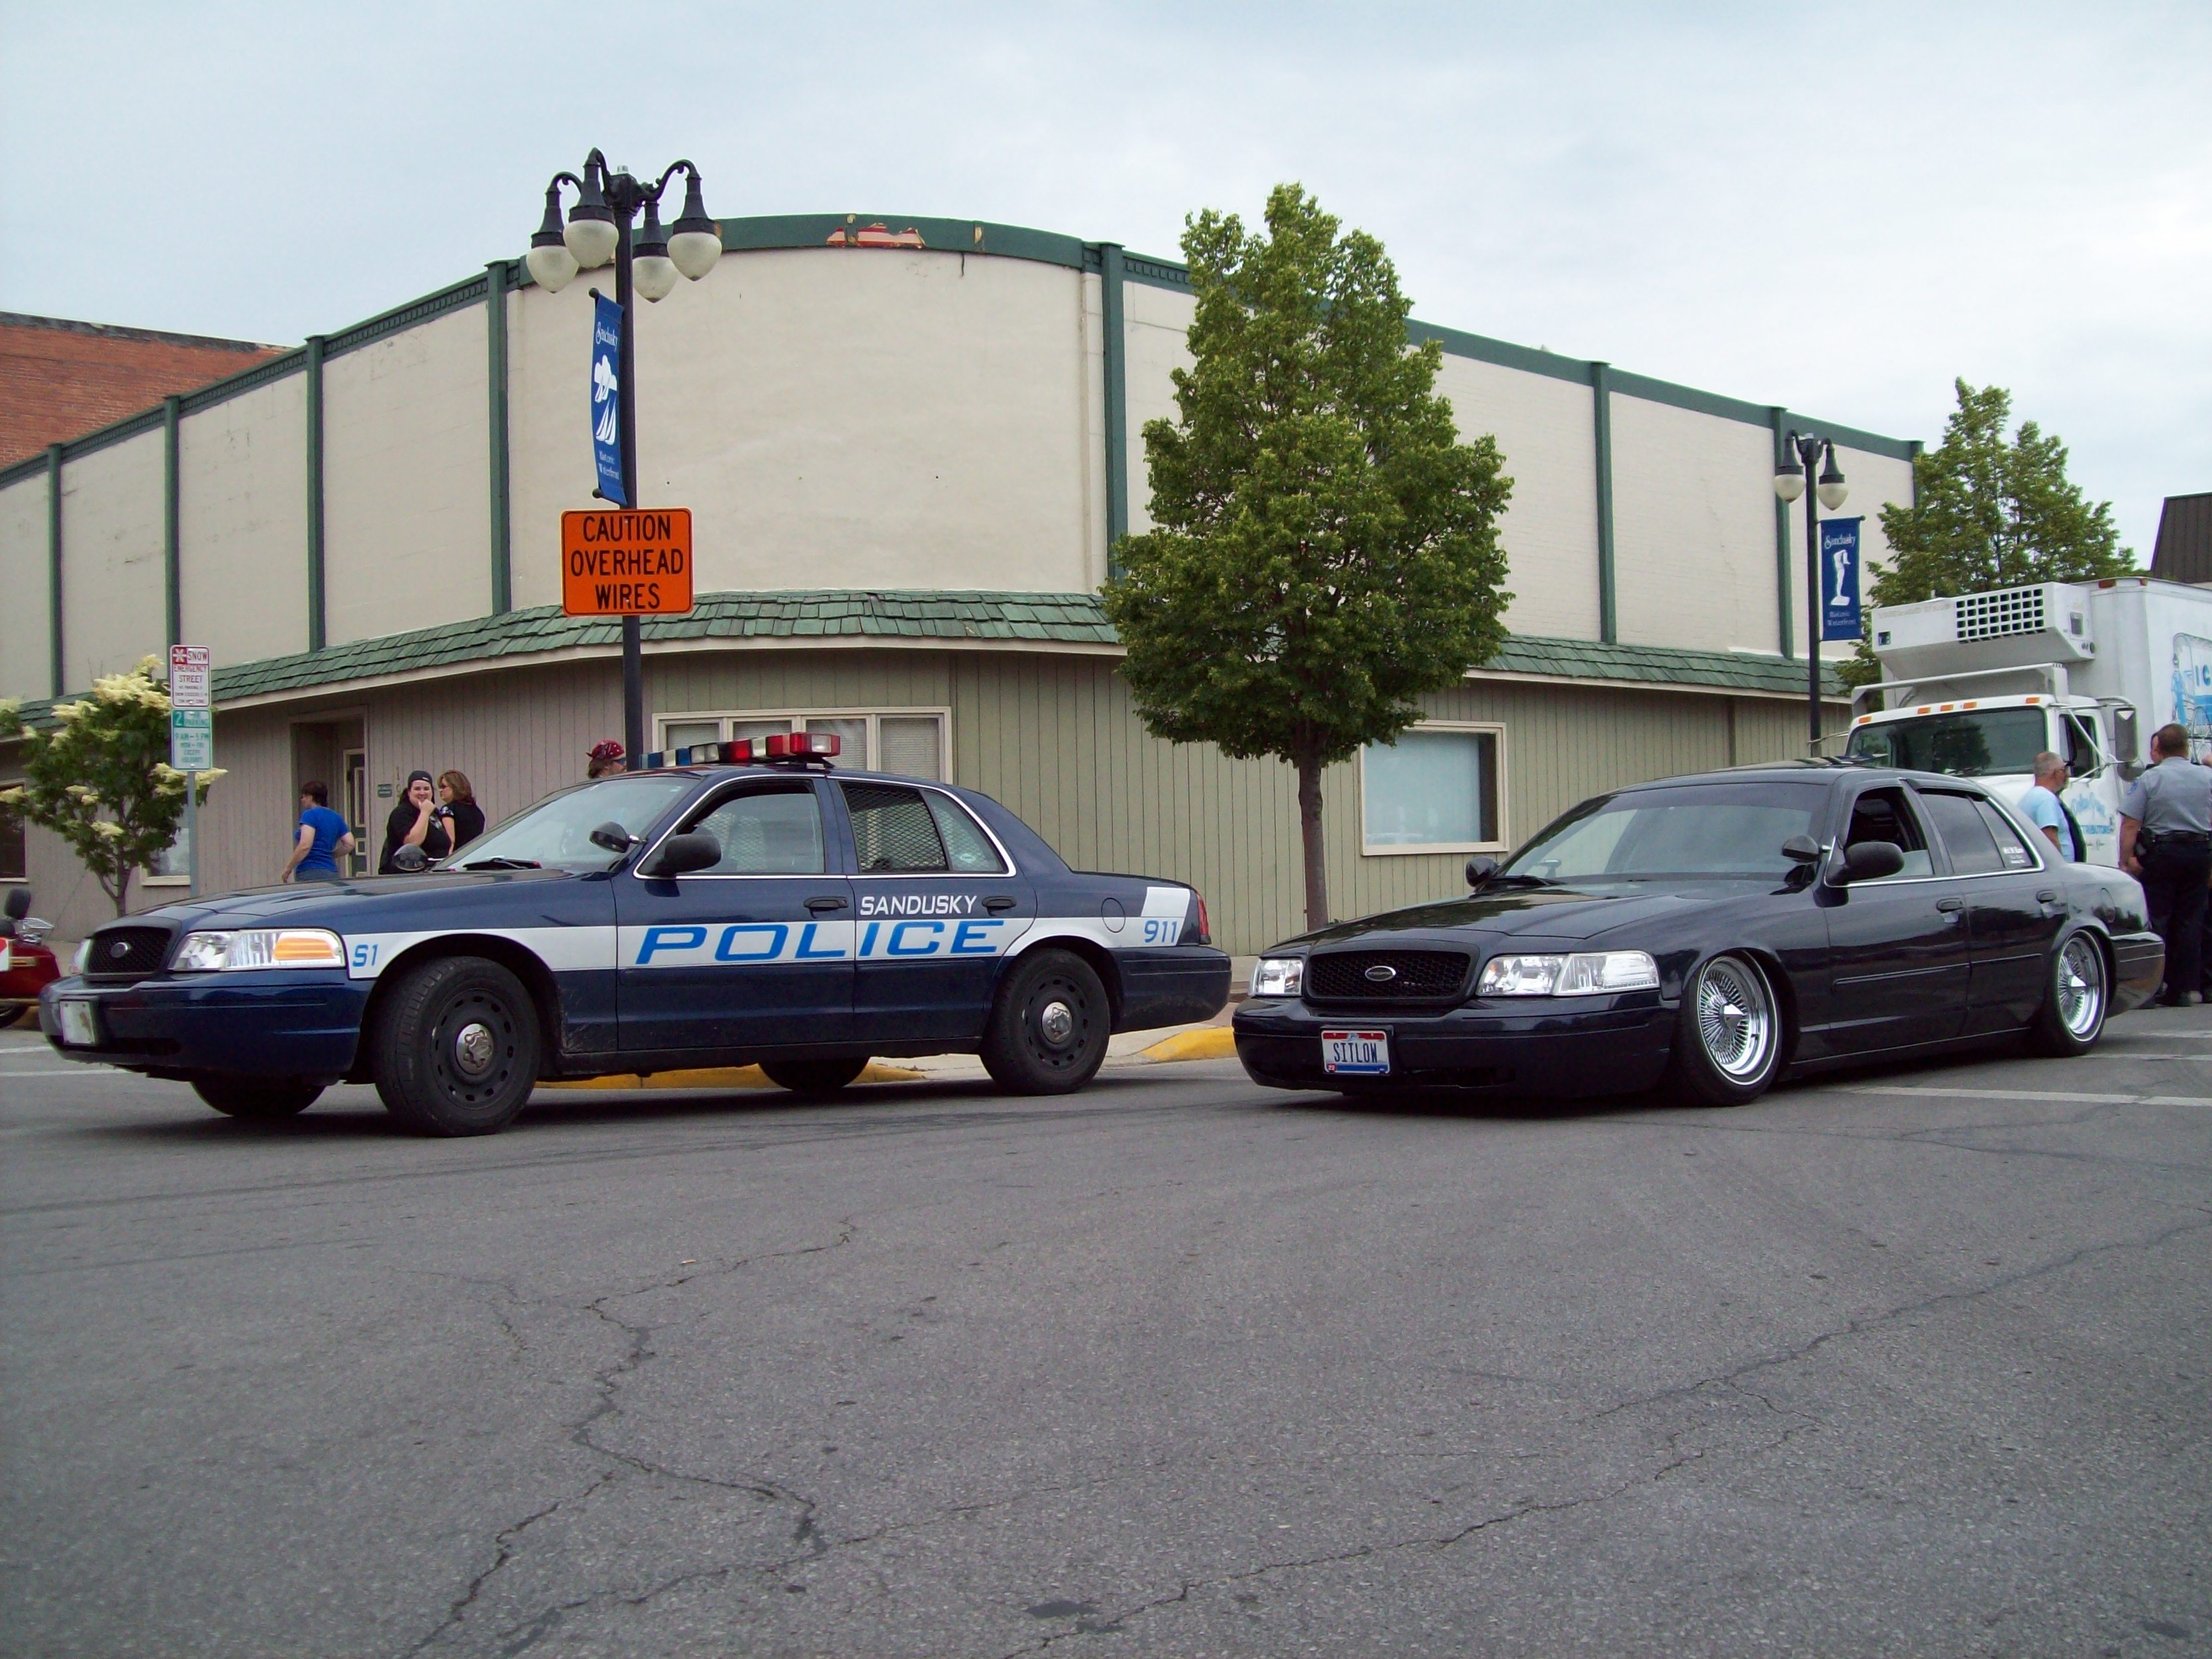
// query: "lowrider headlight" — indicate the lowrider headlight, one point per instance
point(1587, 973)
point(1279, 976)
point(259, 947)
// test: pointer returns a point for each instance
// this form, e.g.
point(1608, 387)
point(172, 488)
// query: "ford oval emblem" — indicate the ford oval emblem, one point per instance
point(119, 950)
point(1381, 973)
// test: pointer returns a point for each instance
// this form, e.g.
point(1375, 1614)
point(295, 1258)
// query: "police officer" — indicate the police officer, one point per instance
point(2166, 842)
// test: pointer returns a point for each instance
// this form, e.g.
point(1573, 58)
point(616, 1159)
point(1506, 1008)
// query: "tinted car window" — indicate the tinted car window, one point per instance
point(967, 848)
point(778, 833)
point(1966, 836)
point(893, 828)
point(1716, 830)
point(2012, 843)
point(1886, 815)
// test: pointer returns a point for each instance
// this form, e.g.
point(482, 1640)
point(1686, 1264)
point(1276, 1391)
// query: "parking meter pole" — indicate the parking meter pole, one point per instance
point(624, 197)
point(192, 833)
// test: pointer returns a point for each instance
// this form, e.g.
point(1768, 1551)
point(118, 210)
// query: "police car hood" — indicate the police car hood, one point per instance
point(433, 899)
point(1535, 913)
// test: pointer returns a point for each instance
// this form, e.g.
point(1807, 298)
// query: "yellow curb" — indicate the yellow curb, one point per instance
point(721, 1077)
point(1214, 1042)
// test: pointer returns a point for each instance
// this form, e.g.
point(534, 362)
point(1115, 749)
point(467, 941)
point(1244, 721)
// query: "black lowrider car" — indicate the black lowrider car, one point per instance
point(1717, 933)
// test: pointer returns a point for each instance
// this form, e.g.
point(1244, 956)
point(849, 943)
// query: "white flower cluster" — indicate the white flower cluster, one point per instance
point(138, 686)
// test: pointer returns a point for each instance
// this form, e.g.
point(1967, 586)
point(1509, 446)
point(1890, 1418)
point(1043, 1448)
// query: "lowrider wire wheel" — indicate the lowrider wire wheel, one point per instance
point(2072, 1016)
point(454, 1051)
point(1730, 1037)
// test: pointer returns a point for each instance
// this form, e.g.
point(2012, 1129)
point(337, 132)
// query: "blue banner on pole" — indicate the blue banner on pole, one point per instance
point(1839, 578)
point(606, 402)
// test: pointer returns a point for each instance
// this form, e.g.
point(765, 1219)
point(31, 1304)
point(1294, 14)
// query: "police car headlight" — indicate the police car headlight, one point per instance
point(1279, 976)
point(1587, 973)
point(258, 947)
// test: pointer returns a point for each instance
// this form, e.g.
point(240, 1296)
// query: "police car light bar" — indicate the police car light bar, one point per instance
point(802, 745)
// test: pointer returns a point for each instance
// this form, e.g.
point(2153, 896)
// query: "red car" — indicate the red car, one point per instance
point(27, 966)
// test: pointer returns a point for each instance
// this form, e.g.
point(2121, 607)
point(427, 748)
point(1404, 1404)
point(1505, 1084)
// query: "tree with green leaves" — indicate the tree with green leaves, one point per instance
point(1324, 549)
point(100, 779)
point(1991, 513)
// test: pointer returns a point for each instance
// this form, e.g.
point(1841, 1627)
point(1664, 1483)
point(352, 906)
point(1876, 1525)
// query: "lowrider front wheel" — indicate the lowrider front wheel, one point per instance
point(1729, 1042)
point(455, 1049)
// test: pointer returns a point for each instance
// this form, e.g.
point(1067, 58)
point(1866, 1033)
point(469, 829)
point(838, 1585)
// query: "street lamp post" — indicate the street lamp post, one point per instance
point(598, 230)
point(1789, 477)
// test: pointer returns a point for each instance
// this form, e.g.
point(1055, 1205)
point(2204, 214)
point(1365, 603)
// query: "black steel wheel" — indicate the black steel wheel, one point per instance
point(1728, 1040)
point(257, 1099)
point(2074, 1001)
point(813, 1077)
point(456, 1047)
point(1048, 1030)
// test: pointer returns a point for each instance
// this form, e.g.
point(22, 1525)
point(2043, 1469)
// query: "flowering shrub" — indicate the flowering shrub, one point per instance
point(101, 778)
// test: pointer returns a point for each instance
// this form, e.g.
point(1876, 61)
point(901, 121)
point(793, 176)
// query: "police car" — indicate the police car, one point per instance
point(723, 907)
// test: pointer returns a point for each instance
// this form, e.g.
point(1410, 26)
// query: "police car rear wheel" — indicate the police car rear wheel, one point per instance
point(1048, 1029)
point(813, 1077)
point(258, 1100)
point(456, 1047)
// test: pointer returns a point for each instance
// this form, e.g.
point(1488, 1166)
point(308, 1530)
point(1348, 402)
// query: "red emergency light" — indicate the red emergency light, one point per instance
point(803, 746)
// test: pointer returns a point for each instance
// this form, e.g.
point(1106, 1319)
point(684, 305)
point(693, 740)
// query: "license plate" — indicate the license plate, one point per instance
point(79, 1030)
point(1355, 1054)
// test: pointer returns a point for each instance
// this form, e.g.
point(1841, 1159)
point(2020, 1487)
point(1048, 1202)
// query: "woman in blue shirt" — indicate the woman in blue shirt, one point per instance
point(323, 838)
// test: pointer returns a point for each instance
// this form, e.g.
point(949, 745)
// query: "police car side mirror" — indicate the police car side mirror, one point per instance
point(613, 837)
point(1870, 860)
point(1480, 869)
point(409, 859)
point(696, 849)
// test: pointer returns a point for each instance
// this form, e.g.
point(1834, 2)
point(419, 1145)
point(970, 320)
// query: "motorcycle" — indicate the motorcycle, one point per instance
point(27, 966)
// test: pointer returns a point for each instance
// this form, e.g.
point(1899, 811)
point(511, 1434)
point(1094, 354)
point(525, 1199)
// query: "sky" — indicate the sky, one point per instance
point(1838, 207)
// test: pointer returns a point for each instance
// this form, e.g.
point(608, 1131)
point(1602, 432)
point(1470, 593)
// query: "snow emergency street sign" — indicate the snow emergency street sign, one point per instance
point(630, 563)
point(192, 721)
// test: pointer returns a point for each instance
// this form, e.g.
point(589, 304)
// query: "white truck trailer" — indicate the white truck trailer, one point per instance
point(1976, 686)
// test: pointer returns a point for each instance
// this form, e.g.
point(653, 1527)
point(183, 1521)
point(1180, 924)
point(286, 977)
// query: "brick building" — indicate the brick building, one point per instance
point(60, 379)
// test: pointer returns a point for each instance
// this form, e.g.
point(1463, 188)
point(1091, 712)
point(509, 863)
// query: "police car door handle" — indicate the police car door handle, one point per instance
point(1950, 904)
point(999, 901)
point(818, 905)
point(2048, 896)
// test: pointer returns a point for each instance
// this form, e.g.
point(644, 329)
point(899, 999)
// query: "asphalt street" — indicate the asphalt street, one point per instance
point(1910, 1362)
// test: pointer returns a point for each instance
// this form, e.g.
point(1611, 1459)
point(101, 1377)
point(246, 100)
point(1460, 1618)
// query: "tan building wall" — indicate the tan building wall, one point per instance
point(24, 602)
point(114, 592)
point(1155, 324)
point(242, 518)
point(406, 480)
point(1694, 529)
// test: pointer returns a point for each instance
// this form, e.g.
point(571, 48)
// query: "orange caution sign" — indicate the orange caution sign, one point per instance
point(621, 562)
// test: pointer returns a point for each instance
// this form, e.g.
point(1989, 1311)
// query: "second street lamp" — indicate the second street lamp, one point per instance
point(1790, 475)
point(598, 230)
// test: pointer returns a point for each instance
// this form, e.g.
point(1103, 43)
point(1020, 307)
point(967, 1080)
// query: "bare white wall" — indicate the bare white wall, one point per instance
point(242, 518)
point(25, 672)
point(1694, 529)
point(407, 480)
point(1544, 431)
point(856, 418)
point(1156, 327)
point(113, 589)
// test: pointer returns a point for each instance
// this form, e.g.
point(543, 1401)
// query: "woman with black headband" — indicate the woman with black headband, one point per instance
point(414, 822)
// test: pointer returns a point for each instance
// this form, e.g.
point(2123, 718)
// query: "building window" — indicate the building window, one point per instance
point(908, 741)
point(14, 866)
point(173, 865)
point(1439, 789)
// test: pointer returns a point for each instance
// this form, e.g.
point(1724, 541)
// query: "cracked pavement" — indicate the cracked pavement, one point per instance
point(1178, 1366)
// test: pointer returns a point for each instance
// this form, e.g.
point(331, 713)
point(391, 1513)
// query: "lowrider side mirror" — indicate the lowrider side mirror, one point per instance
point(696, 849)
point(613, 837)
point(1479, 869)
point(1801, 849)
point(1870, 860)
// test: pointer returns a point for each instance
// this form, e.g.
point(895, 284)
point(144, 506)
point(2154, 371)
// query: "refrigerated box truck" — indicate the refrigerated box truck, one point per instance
point(1976, 686)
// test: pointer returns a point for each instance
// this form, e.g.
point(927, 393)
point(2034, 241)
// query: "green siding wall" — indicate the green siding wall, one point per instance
point(1055, 737)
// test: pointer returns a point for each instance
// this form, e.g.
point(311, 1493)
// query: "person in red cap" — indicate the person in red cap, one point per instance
point(605, 760)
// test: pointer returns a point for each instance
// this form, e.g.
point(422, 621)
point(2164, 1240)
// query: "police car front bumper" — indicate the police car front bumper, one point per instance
point(1592, 1045)
point(303, 1023)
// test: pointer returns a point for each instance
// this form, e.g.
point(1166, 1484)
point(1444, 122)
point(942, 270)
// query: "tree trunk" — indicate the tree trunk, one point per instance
point(121, 891)
point(1310, 833)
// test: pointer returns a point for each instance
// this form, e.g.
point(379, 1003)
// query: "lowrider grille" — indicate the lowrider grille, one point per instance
point(1410, 975)
point(119, 955)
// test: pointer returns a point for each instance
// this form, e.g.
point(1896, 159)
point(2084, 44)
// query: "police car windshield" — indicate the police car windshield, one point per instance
point(1723, 831)
point(556, 833)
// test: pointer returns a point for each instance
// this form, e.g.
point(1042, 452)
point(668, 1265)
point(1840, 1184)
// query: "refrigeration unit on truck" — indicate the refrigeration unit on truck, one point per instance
point(1978, 685)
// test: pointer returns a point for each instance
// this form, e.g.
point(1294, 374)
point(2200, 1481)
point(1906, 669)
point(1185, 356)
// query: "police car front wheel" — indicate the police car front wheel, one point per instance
point(1048, 1028)
point(455, 1049)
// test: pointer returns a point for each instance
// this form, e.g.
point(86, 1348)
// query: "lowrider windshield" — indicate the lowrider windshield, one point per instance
point(1702, 831)
point(556, 833)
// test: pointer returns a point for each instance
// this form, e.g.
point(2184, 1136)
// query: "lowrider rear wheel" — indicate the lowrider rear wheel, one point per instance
point(257, 1099)
point(1729, 1042)
point(455, 1049)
